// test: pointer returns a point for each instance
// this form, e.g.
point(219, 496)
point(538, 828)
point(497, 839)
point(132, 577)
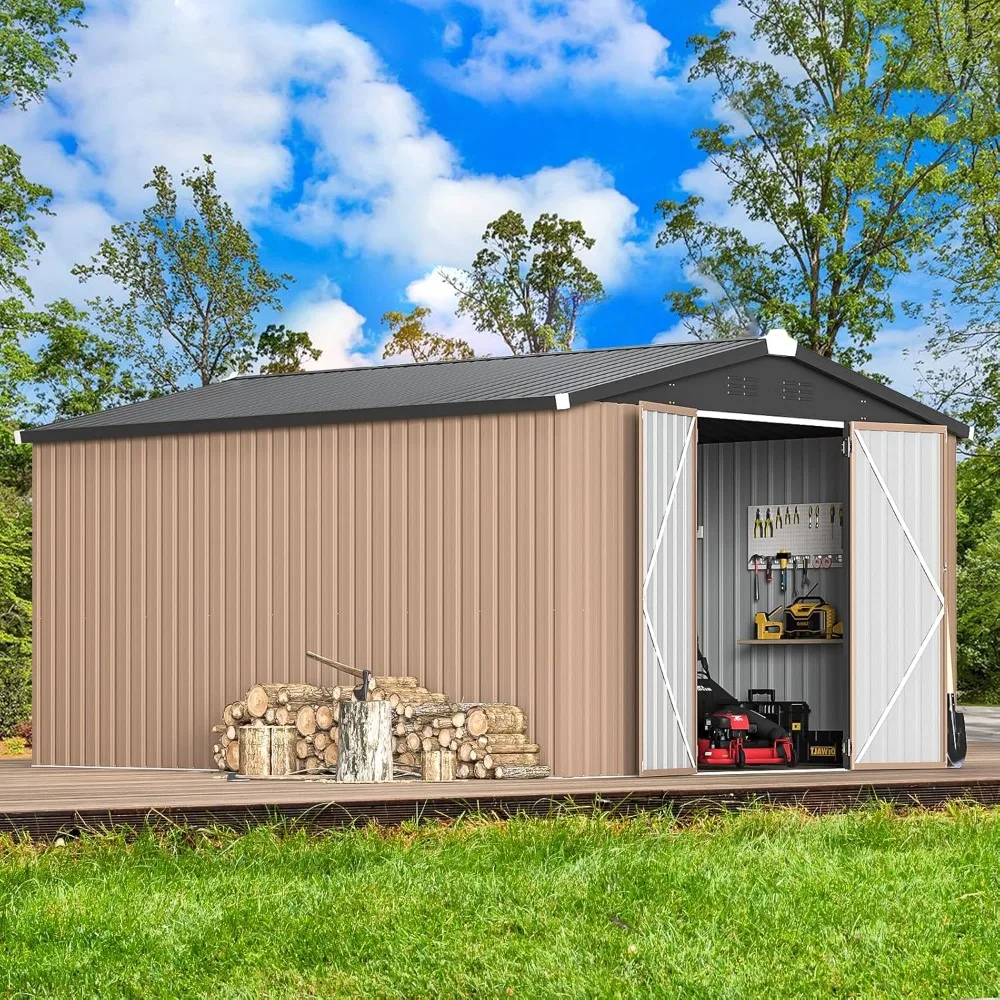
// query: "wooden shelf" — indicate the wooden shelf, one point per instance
point(789, 642)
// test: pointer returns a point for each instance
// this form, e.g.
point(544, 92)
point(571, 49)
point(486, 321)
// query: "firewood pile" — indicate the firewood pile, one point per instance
point(487, 740)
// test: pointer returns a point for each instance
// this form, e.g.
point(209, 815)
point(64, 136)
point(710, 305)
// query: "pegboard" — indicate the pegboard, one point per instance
point(814, 536)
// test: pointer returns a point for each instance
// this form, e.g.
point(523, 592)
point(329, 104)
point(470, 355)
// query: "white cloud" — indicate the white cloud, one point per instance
point(525, 47)
point(433, 292)
point(334, 327)
point(163, 82)
point(451, 37)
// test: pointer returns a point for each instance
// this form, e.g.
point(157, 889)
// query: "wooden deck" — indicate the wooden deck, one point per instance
point(44, 801)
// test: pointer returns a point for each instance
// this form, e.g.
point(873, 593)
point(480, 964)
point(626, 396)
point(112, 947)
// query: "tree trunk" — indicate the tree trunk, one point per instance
point(324, 717)
point(233, 756)
point(522, 771)
point(513, 758)
point(365, 742)
point(255, 751)
point(305, 720)
point(283, 758)
point(438, 765)
point(482, 719)
point(257, 701)
point(510, 743)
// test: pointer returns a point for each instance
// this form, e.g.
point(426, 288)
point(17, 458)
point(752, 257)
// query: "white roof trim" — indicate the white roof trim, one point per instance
point(779, 342)
point(17, 436)
point(562, 400)
point(760, 418)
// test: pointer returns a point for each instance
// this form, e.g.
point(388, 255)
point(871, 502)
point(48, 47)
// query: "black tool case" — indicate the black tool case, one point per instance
point(826, 748)
point(792, 716)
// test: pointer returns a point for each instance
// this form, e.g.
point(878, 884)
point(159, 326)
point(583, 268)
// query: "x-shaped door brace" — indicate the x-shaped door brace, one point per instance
point(933, 582)
point(678, 472)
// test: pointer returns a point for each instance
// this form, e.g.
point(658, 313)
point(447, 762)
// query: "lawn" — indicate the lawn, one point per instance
point(763, 904)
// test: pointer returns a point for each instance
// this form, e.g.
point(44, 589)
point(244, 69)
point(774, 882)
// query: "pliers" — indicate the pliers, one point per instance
point(768, 524)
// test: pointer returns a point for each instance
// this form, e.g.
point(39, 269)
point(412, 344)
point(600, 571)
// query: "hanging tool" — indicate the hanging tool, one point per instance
point(768, 577)
point(768, 524)
point(833, 514)
point(756, 583)
point(788, 516)
point(806, 582)
point(796, 514)
point(777, 517)
point(758, 526)
point(783, 557)
point(841, 515)
point(810, 523)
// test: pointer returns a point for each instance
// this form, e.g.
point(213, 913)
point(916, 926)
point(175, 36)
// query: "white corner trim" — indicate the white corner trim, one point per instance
point(780, 343)
point(972, 432)
point(562, 400)
point(17, 437)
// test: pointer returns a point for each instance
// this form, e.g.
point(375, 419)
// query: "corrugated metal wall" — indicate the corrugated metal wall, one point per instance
point(492, 556)
point(669, 499)
point(895, 604)
point(762, 473)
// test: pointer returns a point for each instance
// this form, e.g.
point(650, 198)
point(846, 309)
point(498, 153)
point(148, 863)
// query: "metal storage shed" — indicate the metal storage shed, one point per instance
point(521, 529)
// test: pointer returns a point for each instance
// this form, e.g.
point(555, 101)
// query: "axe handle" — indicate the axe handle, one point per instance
point(353, 671)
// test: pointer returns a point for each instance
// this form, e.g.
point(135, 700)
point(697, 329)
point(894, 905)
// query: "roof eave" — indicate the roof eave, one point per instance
point(52, 433)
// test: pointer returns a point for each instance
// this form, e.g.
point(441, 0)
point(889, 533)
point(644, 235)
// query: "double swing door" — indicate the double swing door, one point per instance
point(898, 636)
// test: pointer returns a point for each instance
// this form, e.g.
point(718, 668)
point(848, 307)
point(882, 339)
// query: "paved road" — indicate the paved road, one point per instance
point(982, 723)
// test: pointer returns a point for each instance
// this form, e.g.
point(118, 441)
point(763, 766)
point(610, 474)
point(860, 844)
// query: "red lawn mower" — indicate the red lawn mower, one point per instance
point(732, 735)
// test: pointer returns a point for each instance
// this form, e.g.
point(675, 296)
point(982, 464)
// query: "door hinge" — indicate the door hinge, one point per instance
point(847, 748)
point(845, 447)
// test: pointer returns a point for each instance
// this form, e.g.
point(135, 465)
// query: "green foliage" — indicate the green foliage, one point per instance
point(33, 51)
point(15, 609)
point(411, 336)
point(979, 611)
point(852, 141)
point(15, 746)
point(77, 371)
point(529, 288)
point(193, 286)
point(283, 351)
point(866, 904)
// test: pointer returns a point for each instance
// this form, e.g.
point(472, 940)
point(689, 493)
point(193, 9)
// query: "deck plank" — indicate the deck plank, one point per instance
point(39, 798)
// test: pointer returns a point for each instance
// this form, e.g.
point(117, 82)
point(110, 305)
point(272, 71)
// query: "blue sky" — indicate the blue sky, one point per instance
point(369, 143)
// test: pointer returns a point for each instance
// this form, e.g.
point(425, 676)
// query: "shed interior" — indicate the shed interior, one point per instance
point(799, 471)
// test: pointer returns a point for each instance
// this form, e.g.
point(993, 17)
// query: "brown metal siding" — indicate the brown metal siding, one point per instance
point(493, 556)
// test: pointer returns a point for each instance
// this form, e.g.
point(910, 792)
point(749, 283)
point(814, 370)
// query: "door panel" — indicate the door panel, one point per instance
point(668, 488)
point(897, 601)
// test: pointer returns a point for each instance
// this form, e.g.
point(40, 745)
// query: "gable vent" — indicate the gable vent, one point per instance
point(797, 392)
point(741, 385)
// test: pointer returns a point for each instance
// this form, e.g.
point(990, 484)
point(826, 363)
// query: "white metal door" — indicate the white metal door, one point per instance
point(668, 488)
point(897, 595)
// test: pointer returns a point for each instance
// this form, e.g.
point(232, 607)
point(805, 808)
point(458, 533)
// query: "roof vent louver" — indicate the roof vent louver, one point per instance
point(741, 385)
point(797, 392)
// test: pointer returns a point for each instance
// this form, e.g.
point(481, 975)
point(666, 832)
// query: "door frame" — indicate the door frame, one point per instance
point(692, 457)
point(943, 626)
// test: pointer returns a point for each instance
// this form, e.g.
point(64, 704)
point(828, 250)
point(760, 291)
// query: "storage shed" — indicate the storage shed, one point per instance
point(555, 531)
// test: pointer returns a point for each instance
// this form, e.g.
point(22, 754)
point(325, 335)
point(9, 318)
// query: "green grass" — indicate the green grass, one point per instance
point(761, 905)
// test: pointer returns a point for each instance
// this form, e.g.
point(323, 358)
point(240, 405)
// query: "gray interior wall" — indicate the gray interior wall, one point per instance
point(732, 477)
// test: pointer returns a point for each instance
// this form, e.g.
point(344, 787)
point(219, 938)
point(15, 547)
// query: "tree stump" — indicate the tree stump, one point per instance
point(365, 738)
point(438, 765)
point(266, 751)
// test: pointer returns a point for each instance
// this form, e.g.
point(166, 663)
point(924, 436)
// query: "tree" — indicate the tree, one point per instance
point(529, 288)
point(850, 141)
point(192, 286)
point(411, 336)
point(33, 51)
point(284, 351)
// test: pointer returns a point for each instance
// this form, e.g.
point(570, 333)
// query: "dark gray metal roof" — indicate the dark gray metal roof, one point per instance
point(497, 384)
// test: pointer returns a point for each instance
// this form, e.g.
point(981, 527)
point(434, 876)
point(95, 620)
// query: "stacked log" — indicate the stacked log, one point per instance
point(485, 740)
